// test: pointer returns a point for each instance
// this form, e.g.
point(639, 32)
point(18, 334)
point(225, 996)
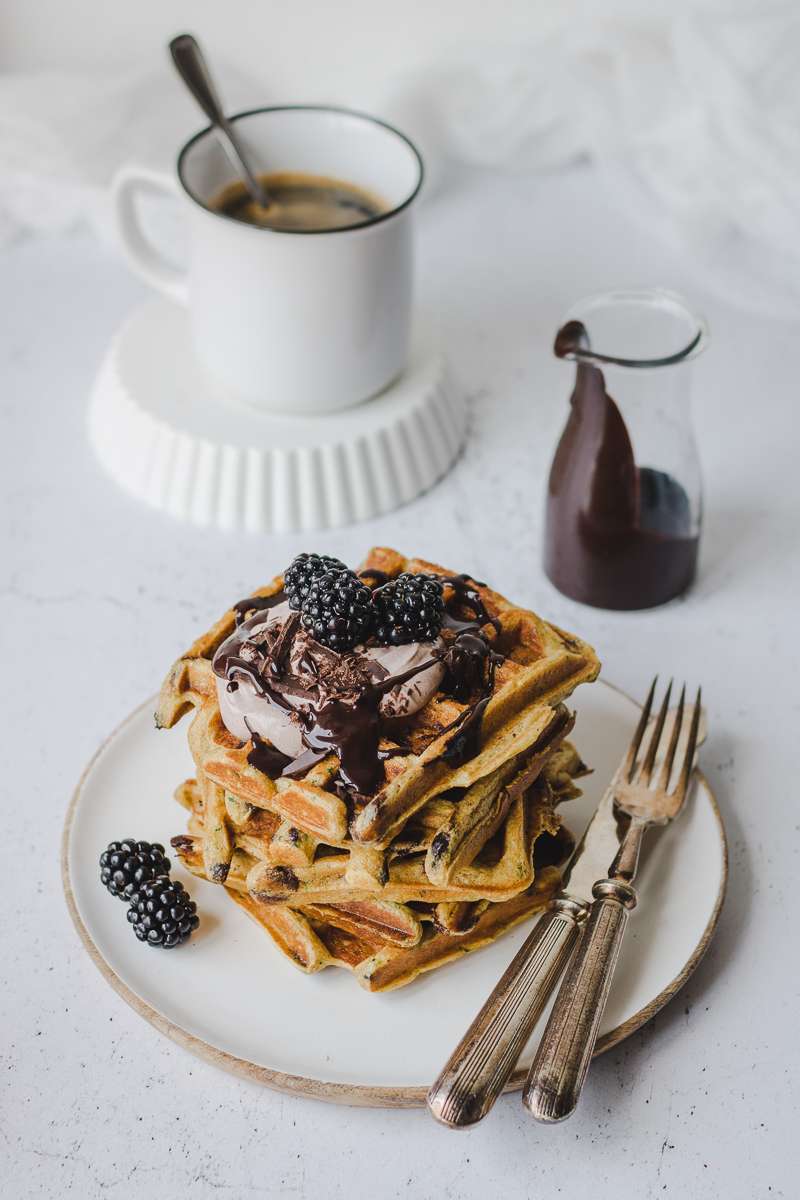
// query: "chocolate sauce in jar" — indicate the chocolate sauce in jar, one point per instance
point(617, 535)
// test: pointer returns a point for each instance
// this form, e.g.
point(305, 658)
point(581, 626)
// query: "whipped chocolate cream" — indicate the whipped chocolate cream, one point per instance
point(297, 700)
point(280, 714)
point(408, 697)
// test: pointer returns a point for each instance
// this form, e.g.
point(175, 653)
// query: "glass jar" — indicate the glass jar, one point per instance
point(624, 497)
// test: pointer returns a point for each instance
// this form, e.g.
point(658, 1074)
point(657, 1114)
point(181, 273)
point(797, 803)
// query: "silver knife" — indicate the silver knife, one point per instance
point(482, 1062)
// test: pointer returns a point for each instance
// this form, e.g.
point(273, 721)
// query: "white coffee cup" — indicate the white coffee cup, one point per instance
point(293, 322)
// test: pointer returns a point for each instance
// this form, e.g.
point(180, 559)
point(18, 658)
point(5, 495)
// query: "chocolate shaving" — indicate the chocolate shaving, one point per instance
point(283, 644)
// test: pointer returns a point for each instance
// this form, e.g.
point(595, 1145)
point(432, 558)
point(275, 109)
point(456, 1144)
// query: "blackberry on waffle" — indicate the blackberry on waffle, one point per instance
point(301, 573)
point(337, 610)
point(409, 609)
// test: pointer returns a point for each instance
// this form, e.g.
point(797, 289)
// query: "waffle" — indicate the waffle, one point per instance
point(286, 866)
point(318, 938)
point(440, 858)
point(383, 943)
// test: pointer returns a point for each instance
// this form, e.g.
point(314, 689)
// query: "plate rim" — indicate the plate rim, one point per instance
point(355, 1094)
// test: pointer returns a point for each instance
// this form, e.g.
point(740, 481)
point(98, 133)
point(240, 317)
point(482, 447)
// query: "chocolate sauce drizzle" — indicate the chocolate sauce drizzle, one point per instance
point(466, 595)
point(380, 577)
point(240, 666)
point(266, 758)
point(253, 604)
point(342, 715)
point(470, 663)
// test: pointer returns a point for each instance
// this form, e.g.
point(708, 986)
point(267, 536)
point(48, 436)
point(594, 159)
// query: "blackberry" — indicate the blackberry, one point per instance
point(125, 865)
point(337, 610)
point(162, 913)
point(409, 609)
point(304, 569)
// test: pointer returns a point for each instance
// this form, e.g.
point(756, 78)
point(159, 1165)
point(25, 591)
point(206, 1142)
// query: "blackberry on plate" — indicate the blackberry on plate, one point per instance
point(337, 610)
point(409, 609)
point(303, 570)
point(163, 913)
point(127, 864)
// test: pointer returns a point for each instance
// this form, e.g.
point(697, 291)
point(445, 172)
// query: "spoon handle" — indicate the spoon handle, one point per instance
point(193, 69)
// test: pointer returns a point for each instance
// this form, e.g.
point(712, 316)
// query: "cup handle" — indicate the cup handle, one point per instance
point(144, 258)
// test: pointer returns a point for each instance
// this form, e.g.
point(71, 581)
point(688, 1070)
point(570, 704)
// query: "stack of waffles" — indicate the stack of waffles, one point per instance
point(448, 852)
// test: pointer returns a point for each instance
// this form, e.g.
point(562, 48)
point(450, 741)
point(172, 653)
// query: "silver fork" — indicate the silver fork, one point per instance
point(559, 1069)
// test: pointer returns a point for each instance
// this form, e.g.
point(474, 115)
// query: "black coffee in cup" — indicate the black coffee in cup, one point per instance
point(300, 202)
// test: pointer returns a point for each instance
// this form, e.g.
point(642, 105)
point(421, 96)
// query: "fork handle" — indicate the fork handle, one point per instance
point(554, 1082)
point(479, 1067)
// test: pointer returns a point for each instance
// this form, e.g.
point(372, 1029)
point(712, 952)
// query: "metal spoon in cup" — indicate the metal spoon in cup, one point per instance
point(193, 70)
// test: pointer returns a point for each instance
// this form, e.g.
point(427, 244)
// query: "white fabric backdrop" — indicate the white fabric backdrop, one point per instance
point(696, 114)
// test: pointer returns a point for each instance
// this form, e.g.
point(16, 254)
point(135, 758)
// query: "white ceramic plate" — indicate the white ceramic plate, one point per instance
point(230, 996)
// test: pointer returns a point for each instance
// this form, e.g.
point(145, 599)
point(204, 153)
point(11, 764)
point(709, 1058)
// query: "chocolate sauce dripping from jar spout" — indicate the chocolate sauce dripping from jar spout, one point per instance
point(616, 535)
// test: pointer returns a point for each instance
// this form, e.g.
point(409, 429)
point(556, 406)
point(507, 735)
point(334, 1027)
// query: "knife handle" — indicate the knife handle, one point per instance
point(554, 1082)
point(479, 1067)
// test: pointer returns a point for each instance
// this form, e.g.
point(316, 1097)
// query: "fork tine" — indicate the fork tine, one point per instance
point(688, 762)
point(633, 749)
point(666, 770)
point(655, 737)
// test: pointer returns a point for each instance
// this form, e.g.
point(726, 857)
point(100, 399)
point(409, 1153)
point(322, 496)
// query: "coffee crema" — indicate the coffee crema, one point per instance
point(301, 203)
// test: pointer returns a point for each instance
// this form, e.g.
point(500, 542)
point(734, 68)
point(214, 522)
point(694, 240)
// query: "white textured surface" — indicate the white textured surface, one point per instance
point(175, 440)
point(100, 593)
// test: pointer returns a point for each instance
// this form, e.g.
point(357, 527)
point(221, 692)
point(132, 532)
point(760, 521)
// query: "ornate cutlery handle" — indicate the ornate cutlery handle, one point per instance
point(477, 1070)
point(554, 1083)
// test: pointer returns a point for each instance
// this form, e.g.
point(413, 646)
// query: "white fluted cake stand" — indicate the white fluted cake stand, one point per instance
point(175, 440)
